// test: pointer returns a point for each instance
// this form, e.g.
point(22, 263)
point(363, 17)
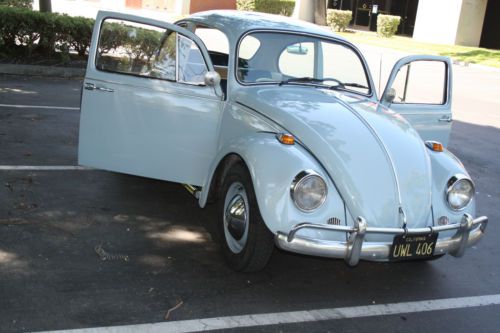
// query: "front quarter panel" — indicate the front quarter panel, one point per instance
point(444, 166)
point(273, 166)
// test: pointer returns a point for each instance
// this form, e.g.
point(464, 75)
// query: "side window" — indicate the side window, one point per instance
point(421, 82)
point(297, 60)
point(192, 67)
point(217, 45)
point(248, 47)
point(164, 63)
point(214, 39)
point(127, 47)
point(144, 50)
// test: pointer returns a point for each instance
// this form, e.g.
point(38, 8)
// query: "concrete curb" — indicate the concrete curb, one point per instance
point(50, 71)
point(476, 66)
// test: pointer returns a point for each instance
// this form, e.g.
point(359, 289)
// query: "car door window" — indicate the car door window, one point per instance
point(127, 47)
point(191, 66)
point(421, 82)
point(143, 50)
point(164, 64)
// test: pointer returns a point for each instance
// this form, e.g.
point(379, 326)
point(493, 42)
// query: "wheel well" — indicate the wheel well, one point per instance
point(220, 173)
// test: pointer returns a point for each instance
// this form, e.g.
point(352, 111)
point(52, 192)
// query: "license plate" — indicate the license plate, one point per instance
point(413, 247)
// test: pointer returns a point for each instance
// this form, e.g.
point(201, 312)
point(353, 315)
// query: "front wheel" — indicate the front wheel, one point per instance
point(246, 242)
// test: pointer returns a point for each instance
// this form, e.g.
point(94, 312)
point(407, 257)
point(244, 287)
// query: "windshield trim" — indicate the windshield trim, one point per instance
point(371, 90)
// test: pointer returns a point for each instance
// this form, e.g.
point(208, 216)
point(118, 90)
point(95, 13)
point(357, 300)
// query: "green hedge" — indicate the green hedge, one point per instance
point(29, 33)
point(338, 20)
point(281, 7)
point(387, 25)
point(247, 5)
point(17, 3)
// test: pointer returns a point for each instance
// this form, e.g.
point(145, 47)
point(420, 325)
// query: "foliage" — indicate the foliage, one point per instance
point(338, 20)
point(247, 5)
point(17, 3)
point(408, 45)
point(387, 25)
point(75, 33)
point(280, 7)
point(26, 33)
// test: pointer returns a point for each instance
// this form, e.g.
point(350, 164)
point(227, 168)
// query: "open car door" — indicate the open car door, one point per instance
point(148, 105)
point(419, 88)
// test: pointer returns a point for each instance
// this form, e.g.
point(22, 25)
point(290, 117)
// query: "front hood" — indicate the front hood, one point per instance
point(375, 158)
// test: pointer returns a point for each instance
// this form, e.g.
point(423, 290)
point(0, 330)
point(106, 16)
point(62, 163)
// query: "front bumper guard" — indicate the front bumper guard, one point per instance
point(468, 232)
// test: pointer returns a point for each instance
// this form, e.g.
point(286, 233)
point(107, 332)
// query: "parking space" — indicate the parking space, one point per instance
point(160, 250)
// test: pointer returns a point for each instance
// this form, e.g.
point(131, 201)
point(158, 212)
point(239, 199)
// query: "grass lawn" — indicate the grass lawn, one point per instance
point(474, 55)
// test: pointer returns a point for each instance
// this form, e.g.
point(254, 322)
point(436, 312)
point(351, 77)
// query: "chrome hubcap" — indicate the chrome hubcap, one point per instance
point(236, 217)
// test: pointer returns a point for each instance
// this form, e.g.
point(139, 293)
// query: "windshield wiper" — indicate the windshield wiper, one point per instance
point(354, 85)
point(339, 85)
point(305, 79)
point(342, 85)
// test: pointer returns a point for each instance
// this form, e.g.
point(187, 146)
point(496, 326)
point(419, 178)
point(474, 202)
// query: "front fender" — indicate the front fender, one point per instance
point(273, 166)
point(444, 166)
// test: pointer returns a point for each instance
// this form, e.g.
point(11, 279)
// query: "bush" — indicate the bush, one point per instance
point(27, 33)
point(17, 3)
point(338, 20)
point(248, 5)
point(387, 25)
point(280, 7)
point(73, 32)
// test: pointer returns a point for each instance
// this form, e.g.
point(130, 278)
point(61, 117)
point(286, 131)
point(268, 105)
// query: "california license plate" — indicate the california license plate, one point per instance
point(413, 247)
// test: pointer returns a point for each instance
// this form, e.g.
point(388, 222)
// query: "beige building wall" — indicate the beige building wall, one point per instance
point(437, 21)
point(450, 21)
point(471, 22)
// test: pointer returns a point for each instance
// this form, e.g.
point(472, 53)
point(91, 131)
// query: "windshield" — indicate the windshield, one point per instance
point(286, 58)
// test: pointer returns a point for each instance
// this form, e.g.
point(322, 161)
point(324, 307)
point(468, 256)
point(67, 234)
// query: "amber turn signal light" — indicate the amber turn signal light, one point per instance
point(434, 145)
point(286, 139)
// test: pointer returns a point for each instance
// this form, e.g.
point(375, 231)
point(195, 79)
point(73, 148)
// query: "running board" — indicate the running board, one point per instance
point(194, 190)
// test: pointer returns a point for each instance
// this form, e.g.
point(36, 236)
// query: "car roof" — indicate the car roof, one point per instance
point(234, 23)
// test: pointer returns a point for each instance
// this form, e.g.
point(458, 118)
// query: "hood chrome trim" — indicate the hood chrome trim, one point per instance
point(384, 149)
point(377, 137)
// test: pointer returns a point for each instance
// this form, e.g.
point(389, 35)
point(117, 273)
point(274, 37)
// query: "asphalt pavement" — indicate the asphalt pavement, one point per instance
point(162, 252)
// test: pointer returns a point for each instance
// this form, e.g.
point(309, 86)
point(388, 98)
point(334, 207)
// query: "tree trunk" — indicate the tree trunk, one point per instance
point(311, 11)
point(320, 12)
point(45, 6)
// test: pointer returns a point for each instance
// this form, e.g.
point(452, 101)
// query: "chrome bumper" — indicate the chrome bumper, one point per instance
point(468, 232)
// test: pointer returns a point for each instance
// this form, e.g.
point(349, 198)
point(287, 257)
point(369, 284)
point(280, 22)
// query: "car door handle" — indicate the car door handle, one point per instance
point(91, 86)
point(446, 119)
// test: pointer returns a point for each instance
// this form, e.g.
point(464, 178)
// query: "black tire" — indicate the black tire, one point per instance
point(259, 245)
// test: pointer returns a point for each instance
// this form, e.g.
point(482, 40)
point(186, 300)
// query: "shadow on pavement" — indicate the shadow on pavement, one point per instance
point(52, 278)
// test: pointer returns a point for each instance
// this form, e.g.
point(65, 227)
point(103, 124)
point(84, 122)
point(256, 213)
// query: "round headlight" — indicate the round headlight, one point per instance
point(460, 192)
point(308, 191)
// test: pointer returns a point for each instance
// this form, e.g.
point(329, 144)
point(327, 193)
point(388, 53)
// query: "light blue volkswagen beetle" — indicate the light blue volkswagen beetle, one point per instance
point(277, 123)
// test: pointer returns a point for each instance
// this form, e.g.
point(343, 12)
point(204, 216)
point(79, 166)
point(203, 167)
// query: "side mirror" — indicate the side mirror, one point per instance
point(212, 78)
point(390, 94)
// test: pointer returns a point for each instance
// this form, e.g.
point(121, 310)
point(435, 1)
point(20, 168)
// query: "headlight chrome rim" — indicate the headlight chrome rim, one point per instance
point(299, 179)
point(452, 182)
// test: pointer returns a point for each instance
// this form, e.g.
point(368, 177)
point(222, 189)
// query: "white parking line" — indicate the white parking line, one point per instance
point(38, 107)
point(43, 167)
point(295, 317)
